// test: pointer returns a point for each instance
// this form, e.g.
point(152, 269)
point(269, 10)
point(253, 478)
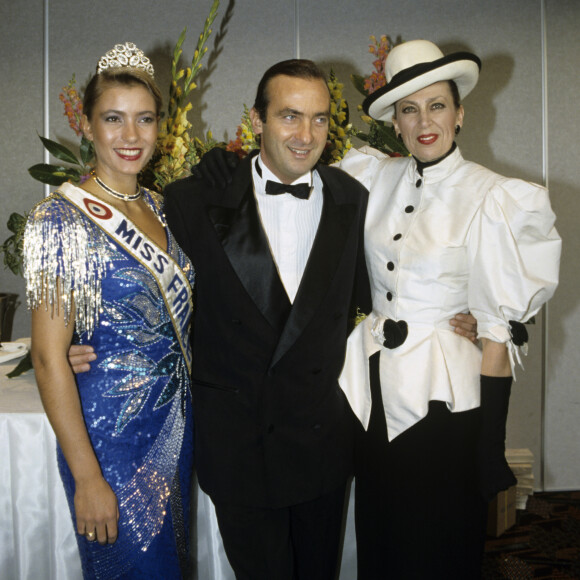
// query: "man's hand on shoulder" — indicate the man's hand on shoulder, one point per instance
point(217, 167)
point(80, 356)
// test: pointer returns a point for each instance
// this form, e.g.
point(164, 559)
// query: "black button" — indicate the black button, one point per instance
point(389, 296)
point(409, 209)
point(419, 182)
point(236, 321)
point(397, 237)
point(317, 426)
point(316, 371)
point(390, 266)
point(270, 429)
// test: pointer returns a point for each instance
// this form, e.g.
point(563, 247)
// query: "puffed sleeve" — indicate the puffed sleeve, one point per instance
point(514, 252)
point(59, 261)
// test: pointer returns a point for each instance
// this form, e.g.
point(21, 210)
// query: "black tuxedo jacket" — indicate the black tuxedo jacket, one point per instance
point(272, 427)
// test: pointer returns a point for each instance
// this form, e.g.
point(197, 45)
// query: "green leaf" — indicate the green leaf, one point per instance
point(383, 138)
point(359, 84)
point(16, 222)
point(87, 151)
point(59, 151)
point(53, 174)
point(177, 52)
point(12, 246)
point(13, 258)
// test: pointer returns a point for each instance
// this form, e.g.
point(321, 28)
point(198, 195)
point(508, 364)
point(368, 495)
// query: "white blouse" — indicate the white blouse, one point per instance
point(459, 238)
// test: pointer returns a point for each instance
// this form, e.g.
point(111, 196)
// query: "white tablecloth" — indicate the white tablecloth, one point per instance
point(37, 539)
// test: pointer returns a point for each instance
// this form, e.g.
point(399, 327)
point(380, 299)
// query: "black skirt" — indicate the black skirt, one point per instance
point(418, 512)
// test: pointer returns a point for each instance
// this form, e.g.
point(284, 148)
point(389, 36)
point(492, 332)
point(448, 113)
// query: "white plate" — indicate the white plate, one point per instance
point(12, 350)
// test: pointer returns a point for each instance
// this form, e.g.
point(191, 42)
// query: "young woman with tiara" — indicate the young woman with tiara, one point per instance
point(102, 269)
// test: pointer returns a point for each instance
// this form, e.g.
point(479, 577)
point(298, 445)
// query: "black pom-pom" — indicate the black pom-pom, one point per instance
point(395, 333)
point(519, 333)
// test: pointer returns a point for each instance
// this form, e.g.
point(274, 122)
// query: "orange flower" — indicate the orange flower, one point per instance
point(377, 78)
point(73, 106)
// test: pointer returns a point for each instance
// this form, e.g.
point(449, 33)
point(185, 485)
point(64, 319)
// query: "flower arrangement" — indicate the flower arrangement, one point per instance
point(246, 139)
point(73, 106)
point(380, 135)
point(340, 129)
point(177, 150)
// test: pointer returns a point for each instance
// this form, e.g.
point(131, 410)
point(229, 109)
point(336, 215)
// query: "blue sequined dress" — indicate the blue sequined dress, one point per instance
point(136, 399)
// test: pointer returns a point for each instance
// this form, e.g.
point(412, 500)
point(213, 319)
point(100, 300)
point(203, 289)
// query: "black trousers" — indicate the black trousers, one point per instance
point(418, 513)
point(299, 542)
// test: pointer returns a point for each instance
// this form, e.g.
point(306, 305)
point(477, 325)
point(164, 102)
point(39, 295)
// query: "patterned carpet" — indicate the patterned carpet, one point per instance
point(544, 543)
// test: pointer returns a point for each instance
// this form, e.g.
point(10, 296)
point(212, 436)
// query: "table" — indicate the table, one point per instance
point(36, 534)
point(37, 539)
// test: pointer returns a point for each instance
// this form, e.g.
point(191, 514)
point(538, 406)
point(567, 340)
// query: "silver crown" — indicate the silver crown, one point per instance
point(125, 55)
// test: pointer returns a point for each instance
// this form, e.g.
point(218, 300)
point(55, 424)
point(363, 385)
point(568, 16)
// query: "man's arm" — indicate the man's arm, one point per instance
point(217, 166)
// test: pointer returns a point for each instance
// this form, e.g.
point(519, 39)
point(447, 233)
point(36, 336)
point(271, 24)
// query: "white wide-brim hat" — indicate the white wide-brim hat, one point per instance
point(414, 65)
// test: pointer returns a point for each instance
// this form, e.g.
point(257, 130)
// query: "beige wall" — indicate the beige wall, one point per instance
point(504, 127)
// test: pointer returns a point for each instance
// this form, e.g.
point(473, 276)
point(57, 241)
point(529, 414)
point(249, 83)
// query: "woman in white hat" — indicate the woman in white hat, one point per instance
point(442, 235)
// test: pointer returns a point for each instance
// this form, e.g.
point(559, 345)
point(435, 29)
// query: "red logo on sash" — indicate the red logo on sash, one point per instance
point(97, 209)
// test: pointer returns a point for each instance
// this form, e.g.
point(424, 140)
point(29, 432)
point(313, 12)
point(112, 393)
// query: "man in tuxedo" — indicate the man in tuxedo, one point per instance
point(280, 268)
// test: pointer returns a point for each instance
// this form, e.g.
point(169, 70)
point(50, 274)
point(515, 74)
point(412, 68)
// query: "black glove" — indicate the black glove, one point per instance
point(216, 166)
point(494, 472)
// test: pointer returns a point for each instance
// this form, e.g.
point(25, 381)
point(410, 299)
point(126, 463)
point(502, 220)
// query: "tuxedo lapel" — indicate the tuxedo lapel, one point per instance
point(240, 232)
point(327, 250)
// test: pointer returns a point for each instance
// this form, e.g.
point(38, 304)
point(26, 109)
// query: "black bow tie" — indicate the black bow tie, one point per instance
point(299, 190)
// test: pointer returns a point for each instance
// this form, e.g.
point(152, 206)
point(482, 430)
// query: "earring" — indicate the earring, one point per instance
point(400, 137)
point(457, 129)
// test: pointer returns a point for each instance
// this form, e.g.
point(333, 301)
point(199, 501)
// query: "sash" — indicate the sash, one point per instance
point(170, 278)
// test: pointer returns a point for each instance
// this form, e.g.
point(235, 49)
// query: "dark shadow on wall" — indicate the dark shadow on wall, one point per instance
point(161, 57)
point(210, 67)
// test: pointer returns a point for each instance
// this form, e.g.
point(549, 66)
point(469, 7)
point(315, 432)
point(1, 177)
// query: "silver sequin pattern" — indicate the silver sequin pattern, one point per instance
point(55, 237)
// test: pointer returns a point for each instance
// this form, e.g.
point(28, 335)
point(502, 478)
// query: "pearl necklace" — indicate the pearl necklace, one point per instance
point(133, 197)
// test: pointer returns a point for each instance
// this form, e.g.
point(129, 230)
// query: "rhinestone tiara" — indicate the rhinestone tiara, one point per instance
point(125, 55)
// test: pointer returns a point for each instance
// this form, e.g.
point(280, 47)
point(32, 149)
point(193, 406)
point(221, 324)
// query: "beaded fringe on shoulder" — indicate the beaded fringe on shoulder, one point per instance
point(65, 258)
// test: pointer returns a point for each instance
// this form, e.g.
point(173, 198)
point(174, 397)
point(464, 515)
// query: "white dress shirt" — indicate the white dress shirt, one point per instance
point(458, 238)
point(290, 224)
